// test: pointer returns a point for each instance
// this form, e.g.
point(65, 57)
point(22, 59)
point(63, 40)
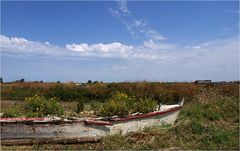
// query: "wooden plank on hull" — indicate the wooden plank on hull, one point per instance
point(32, 141)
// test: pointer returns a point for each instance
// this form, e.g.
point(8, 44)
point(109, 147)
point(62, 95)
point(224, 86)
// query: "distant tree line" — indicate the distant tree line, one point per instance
point(41, 81)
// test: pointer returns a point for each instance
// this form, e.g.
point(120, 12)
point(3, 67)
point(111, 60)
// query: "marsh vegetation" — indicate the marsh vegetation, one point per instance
point(208, 120)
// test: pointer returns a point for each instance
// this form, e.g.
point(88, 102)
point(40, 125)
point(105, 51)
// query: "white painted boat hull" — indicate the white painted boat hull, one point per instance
point(84, 129)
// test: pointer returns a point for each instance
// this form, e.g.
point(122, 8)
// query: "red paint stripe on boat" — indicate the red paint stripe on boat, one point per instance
point(132, 117)
point(95, 122)
point(151, 114)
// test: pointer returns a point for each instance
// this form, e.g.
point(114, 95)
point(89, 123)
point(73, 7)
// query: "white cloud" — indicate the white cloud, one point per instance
point(78, 47)
point(196, 47)
point(216, 59)
point(157, 46)
point(137, 28)
point(22, 45)
point(152, 34)
point(222, 50)
point(115, 49)
point(124, 8)
point(139, 23)
point(121, 11)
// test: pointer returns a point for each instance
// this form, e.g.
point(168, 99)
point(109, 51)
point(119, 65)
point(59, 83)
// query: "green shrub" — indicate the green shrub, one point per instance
point(116, 105)
point(122, 105)
point(53, 107)
point(144, 105)
point(40, 106)
point(36, 106)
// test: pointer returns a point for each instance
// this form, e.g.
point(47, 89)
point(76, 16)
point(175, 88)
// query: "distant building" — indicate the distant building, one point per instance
point(203, 81)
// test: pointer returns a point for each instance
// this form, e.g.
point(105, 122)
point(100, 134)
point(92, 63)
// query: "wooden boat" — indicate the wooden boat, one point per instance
point(60, 130)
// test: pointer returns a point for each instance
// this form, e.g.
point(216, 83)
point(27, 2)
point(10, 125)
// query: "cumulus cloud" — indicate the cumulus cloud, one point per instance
point(24, 46)
point(163, 60)
point(149, 51)
point(18, 45)
point(115, 49)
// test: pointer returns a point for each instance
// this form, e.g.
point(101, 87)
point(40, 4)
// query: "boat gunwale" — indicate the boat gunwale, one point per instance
point(133, 117)
point(150, 114)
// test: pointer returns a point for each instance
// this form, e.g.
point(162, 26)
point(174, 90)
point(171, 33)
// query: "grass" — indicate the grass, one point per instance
point(209, 122)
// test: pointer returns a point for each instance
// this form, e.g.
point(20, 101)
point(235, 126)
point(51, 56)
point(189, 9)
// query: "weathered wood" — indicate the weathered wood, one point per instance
point(18, 131)
point(32, 141)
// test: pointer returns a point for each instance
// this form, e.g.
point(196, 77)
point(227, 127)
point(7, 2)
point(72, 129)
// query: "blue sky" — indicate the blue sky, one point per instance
point(119, 40)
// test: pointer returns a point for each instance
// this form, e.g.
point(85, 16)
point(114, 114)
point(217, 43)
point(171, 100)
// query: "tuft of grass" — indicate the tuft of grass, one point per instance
point(80, 106)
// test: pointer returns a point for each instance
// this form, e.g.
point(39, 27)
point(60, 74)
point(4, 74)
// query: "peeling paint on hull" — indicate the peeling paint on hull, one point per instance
point(44, 129)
